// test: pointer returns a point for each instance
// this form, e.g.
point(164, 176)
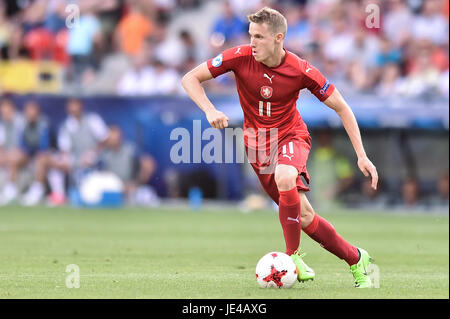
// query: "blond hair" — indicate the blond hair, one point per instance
point(275, 20)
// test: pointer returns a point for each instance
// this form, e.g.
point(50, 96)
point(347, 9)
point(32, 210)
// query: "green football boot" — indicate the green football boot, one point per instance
point(304, 273)
point(359, 270)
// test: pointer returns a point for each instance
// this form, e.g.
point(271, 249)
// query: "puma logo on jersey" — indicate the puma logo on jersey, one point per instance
point(294, 219)
point(270, 78)
point(290, 157)
point(308, 69)
point(238, 51)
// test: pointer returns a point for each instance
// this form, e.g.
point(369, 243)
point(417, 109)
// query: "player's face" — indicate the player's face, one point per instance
point(262, 41)
point(31, 112)
point(74, 108)
point(6, 111)
point(115, 138)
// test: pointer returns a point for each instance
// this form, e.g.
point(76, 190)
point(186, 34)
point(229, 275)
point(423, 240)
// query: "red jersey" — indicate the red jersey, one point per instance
point(268, 96)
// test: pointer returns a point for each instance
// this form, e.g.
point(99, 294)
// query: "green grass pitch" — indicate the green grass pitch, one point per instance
point(177, 253)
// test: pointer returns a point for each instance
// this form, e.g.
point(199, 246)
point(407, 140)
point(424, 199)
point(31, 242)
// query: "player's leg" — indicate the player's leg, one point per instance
point(289, 206)
point(59, 165)
point(15, 160)
point(36, 191)
point(286, 179)
point(320, 230)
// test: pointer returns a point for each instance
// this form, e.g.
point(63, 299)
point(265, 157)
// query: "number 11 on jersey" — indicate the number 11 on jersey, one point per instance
point(261, 108)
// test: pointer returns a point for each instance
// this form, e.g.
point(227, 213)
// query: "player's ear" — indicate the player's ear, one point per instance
point(279, 37)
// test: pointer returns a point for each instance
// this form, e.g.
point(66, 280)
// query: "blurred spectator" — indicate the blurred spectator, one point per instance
point(359, 76)
point(133, 29)
point(372, 198)
point(81, 44)
point(139, 78)
point(167, 80)
point(55, 15)
point(397, 22)
point(11, 128)
point(338, 45)
point(109, 13)
point(190, 47)
point(389, 81)
point(245, 7)
point(134, 169)
point(387, 53)
point(229, 28)
point(174, 49)
point(423, 76)
point(431, 24)
point(441, 198)
point(33, 15)
point(329, 34)
point(410, 196)
point(80, 139)
point(146, 79)
point(365, 48)
point(164, 8)
point(299, 37)
point(332, 172)
point(5, 32)
point(34, 145)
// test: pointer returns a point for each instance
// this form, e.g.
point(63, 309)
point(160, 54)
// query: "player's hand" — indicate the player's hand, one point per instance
point(217, 119)
point(367, 168)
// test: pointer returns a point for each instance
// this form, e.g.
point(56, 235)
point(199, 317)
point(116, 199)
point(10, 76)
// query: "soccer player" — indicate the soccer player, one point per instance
point(11, 128)
point(133, 168)
point(80, 139)
point(269, 79)
point(35, 146)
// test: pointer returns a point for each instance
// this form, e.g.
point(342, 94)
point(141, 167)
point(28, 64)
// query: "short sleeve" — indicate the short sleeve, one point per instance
point(64, 141)
point(228, 60)
point(316, 82)
point(98, 127)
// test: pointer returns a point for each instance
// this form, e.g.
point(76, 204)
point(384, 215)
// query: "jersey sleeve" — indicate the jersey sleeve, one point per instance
point(315, 81)
point(228, 60)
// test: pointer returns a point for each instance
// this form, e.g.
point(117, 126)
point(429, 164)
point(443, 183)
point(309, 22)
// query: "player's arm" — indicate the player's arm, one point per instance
point(336, 102)
point(192, 84)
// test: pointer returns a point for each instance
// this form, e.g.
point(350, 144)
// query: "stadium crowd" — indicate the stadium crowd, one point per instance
point(124, 46)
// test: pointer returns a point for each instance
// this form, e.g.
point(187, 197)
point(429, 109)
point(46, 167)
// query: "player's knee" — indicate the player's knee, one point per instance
point(285, 183)
point(286, 178)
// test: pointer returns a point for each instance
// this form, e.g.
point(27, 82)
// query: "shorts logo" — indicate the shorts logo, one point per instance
point(325, 87)
point(217, 61)
point(266, 92)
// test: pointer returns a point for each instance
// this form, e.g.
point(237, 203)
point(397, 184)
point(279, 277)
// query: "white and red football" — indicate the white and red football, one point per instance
point(276, 270)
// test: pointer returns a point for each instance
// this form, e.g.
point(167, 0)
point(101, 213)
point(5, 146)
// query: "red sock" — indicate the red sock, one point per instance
point(289, 214)
point(324, 233)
